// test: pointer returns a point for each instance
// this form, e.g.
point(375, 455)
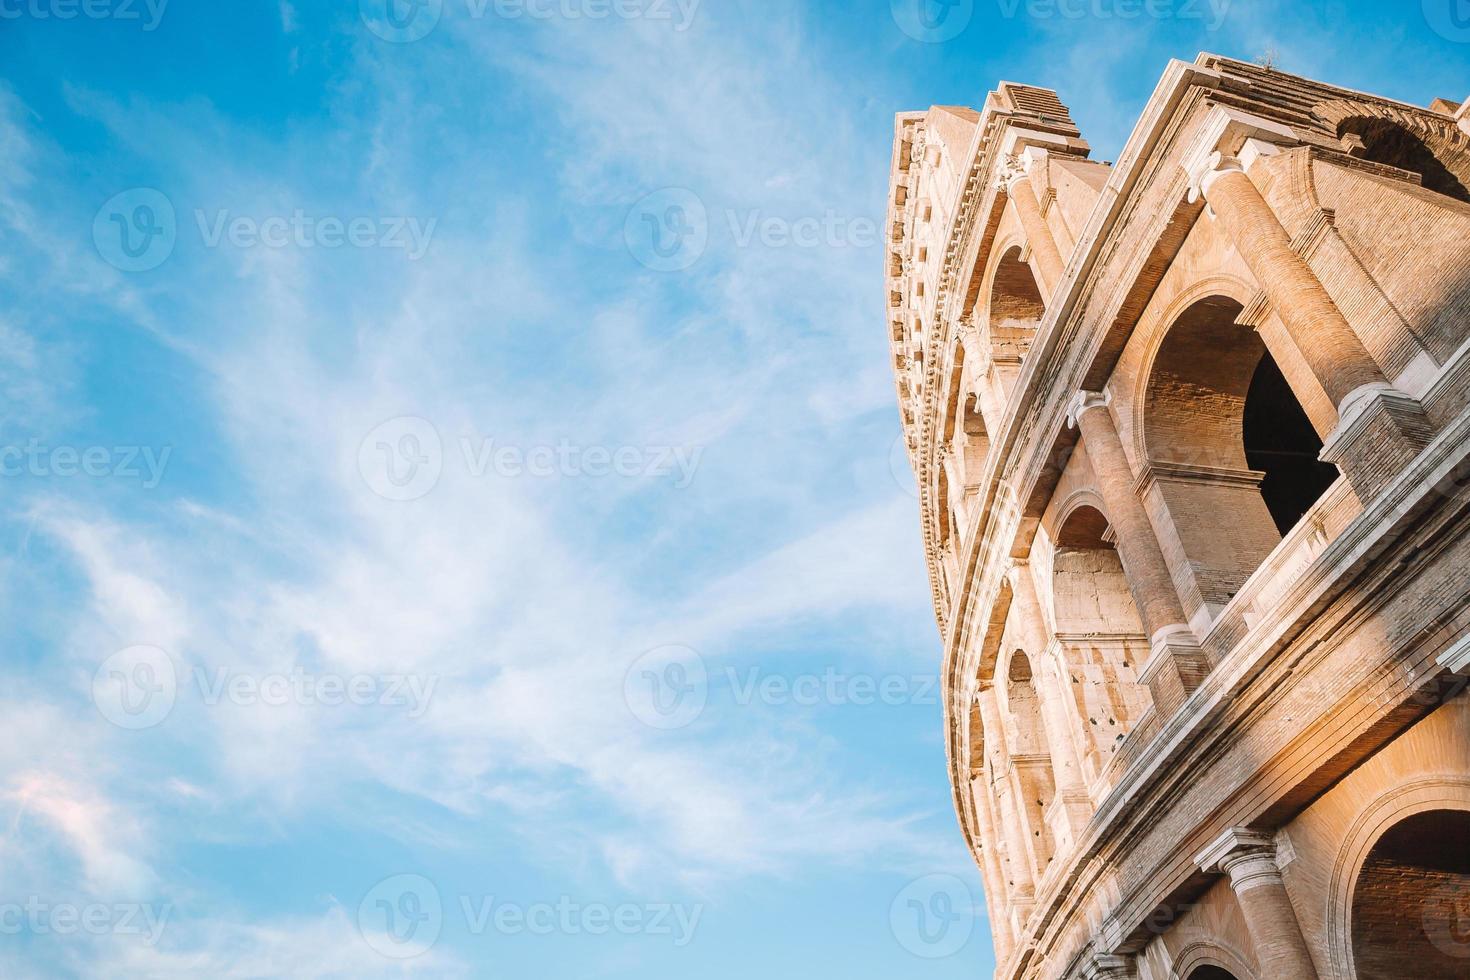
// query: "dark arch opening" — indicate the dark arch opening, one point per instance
point(1015, 299)
point(1212, 973)
point(1412, 901)
point(1389, 143)
point(1280, 442)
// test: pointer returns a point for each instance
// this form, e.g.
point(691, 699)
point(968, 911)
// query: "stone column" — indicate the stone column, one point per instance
point(1380, 430)
point(1014, 824)
point(1072, 807)
point(1249, 858)
point(1176, 665)
point(1049, 262)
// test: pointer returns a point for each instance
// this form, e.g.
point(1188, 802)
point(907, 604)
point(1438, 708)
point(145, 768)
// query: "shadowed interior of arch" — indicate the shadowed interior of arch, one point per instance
point(1212, 973)
point(1230, 446)
point(1015, 299)
point(1387, 142)
point(1412, 901)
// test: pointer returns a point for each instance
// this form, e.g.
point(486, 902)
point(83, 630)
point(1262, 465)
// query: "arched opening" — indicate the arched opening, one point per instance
point(1101, 635)
point(1229, 446)
point(1016, 312)
point(1212, 973)
point(1411, 903)
point(966, 445)
point(1281, 443)
point(1031, 755)
point(1015, 298)
point(1387, 142)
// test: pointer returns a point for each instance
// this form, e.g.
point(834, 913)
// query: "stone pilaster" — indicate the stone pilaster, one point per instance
point(1176, 665)
point(1249, 858)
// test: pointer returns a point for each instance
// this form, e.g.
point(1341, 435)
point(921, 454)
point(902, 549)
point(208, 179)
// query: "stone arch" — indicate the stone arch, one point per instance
point(1030, 752)
point(1226, 444)
point(1098, 630)
point(1210, 960)
point(1014, 309)
point(1421, 143)
point(1411, 899)
point(964, 441)
point(1391, 809)
point(1090, 592)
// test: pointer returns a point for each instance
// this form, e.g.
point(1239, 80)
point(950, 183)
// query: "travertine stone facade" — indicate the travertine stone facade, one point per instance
point(1192, 433)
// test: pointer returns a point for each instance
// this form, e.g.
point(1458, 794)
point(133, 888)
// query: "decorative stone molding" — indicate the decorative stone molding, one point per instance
point(1109, 966)
point(1248, 857)
point(1086, 401)
point(1456, 659)
point(1224, 134)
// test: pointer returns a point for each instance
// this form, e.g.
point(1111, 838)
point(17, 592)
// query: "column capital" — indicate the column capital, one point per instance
point(1224, 133)
point(1247, 856)
point(1205, 172)
point(1085, 401)
point(1108, 966)
point(1013, 170)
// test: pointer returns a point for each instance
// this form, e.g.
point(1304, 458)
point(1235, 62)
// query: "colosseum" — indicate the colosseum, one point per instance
point(1192, 437)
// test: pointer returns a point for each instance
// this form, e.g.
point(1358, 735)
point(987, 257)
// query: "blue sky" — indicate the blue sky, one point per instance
point(412, 566)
